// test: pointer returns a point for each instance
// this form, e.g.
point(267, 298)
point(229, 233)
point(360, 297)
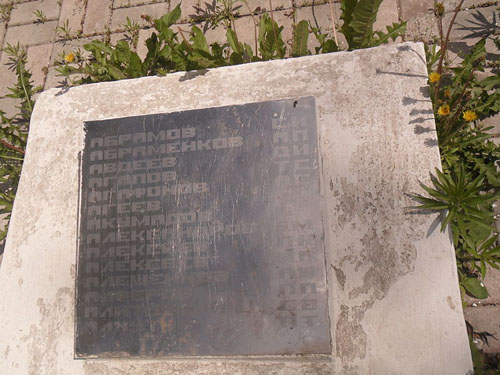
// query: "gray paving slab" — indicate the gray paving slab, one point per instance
point(245, 29)
point(7, 76)
point(129, 3)
point(473, 24)
point(415, 8)
point(72, 14)
point(142, 49)
point(3, 30)
point(38, 62)
point(9, 106)
point(320, 15)
point(119, 18)
point(308, 3)
point(492, 283)
point(266, 5)
point(387, 15)
point(24, 13)
point(54, 79)
point(450, 5)
point(485, 319)
point(97, 16)
point(31, 34)
point(187, 8)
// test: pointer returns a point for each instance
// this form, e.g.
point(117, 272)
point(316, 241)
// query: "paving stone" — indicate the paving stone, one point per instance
point(477, 23)
point(64, 47)
point(245, 30)
point(53, 79)
point(142, 49)
point(492, 283)
point(9, 106)
point(129, 3)
point(414, 8)
point(485, 319)
point(266, 5)
point(97, 16)
point(24, 13)
point(31, 34)
point(119, 18)
point(387, 15)
point(319, 15)
point(314, 3)
point(38, 62)
point(450, 5)
point(3, 30)
point(188, 10)
point(7, 77)
point(72, 12)
point(422, 28)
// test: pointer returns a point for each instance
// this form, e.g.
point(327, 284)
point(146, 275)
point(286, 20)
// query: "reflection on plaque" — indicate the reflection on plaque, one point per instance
point(201, 234)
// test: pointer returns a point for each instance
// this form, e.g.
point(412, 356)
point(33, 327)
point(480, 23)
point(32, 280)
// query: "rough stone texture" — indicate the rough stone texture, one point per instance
point(31, 34)
point(393, 294)
point(485, 319)
point(24, 13)
point(97, 16)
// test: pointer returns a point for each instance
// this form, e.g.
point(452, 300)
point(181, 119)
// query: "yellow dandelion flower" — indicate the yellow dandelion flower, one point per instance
point(434, 77)
point(447, 93)
point(69, 58)
point(470, 116)
point(444, 110)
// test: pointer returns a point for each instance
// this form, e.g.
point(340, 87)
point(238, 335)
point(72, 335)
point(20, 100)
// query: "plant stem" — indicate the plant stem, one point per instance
point(21, 76)
point(332, 16)
point(11, 147)
point(444, 43)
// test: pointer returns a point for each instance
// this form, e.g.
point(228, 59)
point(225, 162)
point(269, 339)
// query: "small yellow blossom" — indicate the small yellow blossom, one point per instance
point(434, 77)
point(447, 93)
point(444, 110)
point(470, 116)
point(69, 57)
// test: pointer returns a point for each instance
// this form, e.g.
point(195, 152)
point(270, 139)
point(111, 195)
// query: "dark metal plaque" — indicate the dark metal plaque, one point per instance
point(201, 234)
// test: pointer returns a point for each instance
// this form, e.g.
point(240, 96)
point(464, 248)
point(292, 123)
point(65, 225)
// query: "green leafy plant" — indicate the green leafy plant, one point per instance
point(464, 191)
point(171, 49)
point(132, 29)
point(64, 31)
point(469, 183)
point(40, 16)
point(14, 130)
point(5, 10)
point(359, 16)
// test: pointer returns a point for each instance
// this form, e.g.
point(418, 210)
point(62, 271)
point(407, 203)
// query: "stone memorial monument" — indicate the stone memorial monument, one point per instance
point(243, 220)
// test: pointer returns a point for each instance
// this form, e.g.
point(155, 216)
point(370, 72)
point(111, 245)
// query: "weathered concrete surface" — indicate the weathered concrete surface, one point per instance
point(393, 294)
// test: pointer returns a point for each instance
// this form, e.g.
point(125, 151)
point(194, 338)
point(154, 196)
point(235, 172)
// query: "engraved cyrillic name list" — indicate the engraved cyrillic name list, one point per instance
point(201, 234)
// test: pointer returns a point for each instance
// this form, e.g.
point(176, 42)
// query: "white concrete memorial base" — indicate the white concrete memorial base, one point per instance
point(393, 296)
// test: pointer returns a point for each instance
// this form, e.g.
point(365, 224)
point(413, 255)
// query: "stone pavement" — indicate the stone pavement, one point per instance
point(51, 28)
